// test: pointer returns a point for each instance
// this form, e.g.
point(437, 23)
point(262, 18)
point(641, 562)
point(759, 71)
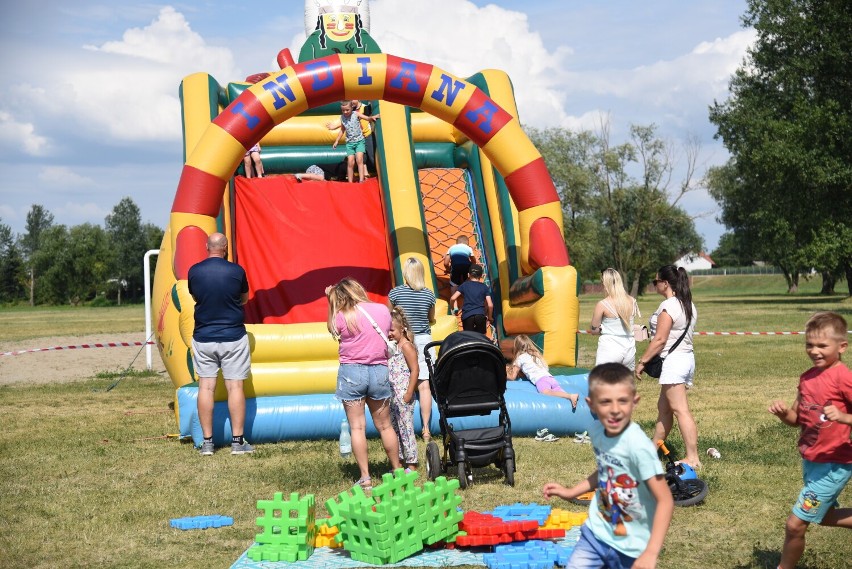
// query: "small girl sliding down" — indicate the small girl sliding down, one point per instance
point(403, 371)
point(530, 362)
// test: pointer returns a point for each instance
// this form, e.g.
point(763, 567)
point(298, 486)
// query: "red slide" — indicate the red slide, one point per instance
point(294, 239)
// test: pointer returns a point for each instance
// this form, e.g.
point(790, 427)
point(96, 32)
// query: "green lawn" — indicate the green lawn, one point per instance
point(24, 323)
point(90, 477)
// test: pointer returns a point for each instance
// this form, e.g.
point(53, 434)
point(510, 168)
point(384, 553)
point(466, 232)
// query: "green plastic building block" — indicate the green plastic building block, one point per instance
point(439, 510)
point(334, 505)
point(288, 529)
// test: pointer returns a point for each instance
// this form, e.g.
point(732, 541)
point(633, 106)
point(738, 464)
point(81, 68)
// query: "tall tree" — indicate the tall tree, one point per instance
point(788, 126)
point(39, 220)
point(129, 243)
point(613, 218)
point(11, 266)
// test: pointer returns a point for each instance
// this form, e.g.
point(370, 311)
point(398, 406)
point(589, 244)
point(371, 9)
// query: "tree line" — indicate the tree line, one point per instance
point(54, 264)
point(786, 192)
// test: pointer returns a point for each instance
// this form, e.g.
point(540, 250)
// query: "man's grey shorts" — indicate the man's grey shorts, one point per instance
point(233, 358)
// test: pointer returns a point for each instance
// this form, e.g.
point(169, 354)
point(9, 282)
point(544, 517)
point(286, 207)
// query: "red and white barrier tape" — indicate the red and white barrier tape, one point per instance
point(80, 347)
point(737, 333)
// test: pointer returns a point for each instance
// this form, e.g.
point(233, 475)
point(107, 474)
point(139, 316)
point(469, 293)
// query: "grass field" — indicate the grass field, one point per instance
point(90, 477)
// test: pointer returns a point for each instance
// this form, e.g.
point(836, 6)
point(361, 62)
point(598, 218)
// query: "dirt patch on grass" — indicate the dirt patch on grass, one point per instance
point(72, 364)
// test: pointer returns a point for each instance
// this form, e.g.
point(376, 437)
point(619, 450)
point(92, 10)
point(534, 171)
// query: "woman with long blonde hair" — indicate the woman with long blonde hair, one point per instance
point(612, 320)
point(362, 326)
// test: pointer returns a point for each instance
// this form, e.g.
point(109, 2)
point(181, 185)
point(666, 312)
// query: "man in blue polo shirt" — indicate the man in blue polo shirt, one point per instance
point(219, 340)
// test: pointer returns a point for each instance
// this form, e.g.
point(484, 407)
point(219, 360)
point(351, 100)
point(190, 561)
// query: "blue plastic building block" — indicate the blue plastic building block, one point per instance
point(533, 554)
point(522, 512)
point(201, 522)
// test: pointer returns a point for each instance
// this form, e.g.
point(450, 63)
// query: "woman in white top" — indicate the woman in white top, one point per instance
point(613, 321)
point(674, 318)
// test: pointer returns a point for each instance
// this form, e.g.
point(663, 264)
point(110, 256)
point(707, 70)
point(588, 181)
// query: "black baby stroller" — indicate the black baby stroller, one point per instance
point(469, 378)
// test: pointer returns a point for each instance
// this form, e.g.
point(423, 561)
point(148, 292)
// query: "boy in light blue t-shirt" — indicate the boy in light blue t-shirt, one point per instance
point(632, 505)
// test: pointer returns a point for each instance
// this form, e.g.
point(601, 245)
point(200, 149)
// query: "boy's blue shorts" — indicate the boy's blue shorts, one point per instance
point(353, 148)
point(824, 481)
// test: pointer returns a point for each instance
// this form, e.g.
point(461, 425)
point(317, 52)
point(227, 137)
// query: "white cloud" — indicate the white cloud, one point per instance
point(74, 213)
point(21, 135)
point(170, 41)
point(463, 39)
point(680, 87)
point(127, 90)
point(8, 214)
point(63, 176)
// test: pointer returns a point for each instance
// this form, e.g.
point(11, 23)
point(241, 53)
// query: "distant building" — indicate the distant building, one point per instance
point(695, 262)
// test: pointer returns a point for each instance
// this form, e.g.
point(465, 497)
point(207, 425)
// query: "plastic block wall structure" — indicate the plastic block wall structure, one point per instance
point(520, 512)
point(325, 535)
point(486, 529)
point(563, 519)
point(289, 529)
point(398, 519)
point(201, 522)
point(528, 555)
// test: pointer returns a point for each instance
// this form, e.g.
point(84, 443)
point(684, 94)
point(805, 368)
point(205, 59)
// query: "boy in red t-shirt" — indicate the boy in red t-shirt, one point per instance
point(823, 410)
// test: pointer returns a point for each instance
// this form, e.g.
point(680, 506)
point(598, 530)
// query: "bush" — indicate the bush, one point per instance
point(102, 300)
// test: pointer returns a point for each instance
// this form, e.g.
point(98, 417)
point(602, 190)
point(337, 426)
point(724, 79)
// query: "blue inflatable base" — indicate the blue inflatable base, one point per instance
point(318, 416)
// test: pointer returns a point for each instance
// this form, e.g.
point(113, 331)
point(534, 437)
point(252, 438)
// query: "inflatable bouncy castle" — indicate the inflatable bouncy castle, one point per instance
point(450, 159)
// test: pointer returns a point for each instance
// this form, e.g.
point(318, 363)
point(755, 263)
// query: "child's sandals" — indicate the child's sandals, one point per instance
point(545, 436)
point(427, 436)
point(582, 438)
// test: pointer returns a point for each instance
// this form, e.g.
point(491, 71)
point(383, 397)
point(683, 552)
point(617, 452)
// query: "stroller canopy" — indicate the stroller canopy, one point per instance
point(470, 374)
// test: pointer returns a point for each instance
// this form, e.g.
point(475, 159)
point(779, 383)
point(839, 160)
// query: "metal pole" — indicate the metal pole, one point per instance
point(147, 271)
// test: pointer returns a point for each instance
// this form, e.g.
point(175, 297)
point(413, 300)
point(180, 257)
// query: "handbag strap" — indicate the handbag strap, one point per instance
point(682, 336)
point(373, 322)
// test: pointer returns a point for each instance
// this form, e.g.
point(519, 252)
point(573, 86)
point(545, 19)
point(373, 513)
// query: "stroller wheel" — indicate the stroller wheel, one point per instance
point(462, 476)
point(433, 461)
point(509, 471)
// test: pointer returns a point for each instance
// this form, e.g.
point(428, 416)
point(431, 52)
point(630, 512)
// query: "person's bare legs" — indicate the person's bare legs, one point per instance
point(258, 164)
point(350, 168)
point(424, 394)
point(665, 418)
point(206, 388)
point(572, 397)
point(236, 406)
point(380, 412)
point(362, 169)
point(794, 542)
point(678, 406)
point(358, 430)
point(838, 518)
point(247, 166)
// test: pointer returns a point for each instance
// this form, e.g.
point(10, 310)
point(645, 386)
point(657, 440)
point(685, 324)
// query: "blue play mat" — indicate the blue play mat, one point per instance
point(326, 558)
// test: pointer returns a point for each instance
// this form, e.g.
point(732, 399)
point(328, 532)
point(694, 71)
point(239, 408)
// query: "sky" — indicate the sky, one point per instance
point(90, 114)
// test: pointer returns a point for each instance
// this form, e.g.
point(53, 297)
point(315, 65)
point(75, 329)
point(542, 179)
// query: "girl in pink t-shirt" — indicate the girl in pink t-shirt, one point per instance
point(361, 327)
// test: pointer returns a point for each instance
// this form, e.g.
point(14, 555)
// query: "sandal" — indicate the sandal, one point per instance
point(548, 438)
point(366, 483)
point(541, 432)
point(427, 436)
point(582, 438)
